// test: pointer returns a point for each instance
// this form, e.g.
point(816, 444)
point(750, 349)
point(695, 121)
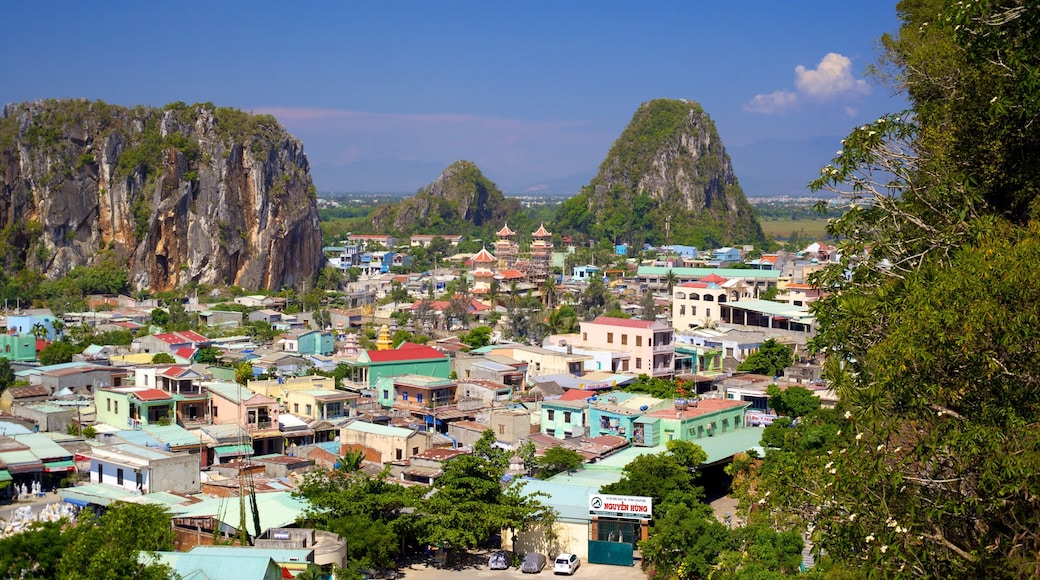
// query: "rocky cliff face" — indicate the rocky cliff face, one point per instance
point(667, 179)
point(179, 194)
point(461, 196)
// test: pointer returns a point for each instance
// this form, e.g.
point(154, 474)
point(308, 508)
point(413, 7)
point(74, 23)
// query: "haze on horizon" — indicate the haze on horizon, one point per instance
point(384, 96)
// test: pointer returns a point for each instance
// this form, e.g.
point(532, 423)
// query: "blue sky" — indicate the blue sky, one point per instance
point(530, 91)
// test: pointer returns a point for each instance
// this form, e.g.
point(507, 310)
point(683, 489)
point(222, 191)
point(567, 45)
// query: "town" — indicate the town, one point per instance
point(394, 374)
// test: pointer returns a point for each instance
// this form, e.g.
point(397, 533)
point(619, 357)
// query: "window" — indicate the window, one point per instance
point(398, 454)
point(404, 395)
point(108, 405)
point(639, 363)
point(639, 340)
point(415, 450)
point(116, 406)
point(551, 414)
point(386, 394)
point(584, 337)
point(693, 311)
point(682, 311)
point(610, 338)
point(707, 312)
point(296, 408)
point(308, 410)
point(119, 476)
point(624, 365)
point(214, 411)
point(140, 479)
point(501, 429)
point(567, 416)
point(418, 398)
point(624, 340)
point(100, 472)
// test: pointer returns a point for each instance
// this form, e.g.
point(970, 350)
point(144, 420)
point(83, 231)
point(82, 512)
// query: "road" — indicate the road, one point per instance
point(597, 571)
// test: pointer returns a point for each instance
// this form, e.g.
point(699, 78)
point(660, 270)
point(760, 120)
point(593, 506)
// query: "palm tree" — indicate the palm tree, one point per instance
point(670, 280)
point(39, 331)
point(494, 290)
point(549, 292)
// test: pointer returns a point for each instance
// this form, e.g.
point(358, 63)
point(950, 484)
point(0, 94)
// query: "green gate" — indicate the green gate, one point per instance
point(613, 553)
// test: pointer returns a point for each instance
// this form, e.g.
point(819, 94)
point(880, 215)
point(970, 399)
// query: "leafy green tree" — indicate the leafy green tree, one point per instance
point(243, 372)
point(163, 358)
point(686, 542)
point(648, 307)
point(6, 374)
point(160, 317)
point(759, 550)
point(771, 358)
point(794, 401)
point(58, 353)
point(478, 337)
point(557, 460)
point(208, 355)
point(35, 552)
point(666, 476)
point(108, 546)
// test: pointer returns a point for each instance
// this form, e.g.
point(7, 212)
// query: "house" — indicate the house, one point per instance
point(564, 419)
point(585, 272)
point(697, 304)
point(144, 469)
point(542, 361)
point(34, 322)
point(233, 404)
point(46, 416)
point(725, 256)
point(229, 318)
point(18, 347)
point(491, 367)
point(308, 342)
point(185, 387)
point(170, 342)
point(321, 404)
point(123, 407)
point(485, 391)
point(425, 240)
point(381, 443)
point(427, 466)
point(512, 424)
point(407, 359)
point(265, 315)
point(35, 457)
point(80, 379)
point(369, 240)
point(689, 420)
point(15, 396)
point(650, 344)
point(616, 413)
point(416, 393)
point(796, 321)
point(755, 282)
point(466, 433)
point(260, 301)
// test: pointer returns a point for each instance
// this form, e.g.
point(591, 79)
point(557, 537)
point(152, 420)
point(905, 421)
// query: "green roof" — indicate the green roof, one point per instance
point(702, 272)
point(5, 475)
point(278, 509)
point(222, 450)
point(718, 448)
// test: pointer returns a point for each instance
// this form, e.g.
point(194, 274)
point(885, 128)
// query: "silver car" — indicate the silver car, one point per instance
point(501, 560)
point(533, 563)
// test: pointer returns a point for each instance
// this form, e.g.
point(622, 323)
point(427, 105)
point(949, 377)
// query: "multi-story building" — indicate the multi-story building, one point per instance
point(649, 344)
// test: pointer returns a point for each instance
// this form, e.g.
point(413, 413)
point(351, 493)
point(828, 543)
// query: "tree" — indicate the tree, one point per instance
point(6, 374)
point(665, 476)
point(243, 372)
point(931, 335)
point(648, 306)
point(550, 294)
point(160, 317)
point(161, 358)
point(794, 401)
point(109, 546)
point(557, 460)
point(771, 358)
point(478, 337)
point(670, 280)
point(35, 552)
point(58, 353)
point(686, 542)
point(209, 355)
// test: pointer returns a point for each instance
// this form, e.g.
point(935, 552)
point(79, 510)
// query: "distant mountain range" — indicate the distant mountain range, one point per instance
point(764, 169)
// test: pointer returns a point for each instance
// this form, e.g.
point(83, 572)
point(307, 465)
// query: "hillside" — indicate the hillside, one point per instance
point(666, 179)
point(460, 200)
point(177, 194)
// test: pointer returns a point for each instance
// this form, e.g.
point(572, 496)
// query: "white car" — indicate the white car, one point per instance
point(566, 564)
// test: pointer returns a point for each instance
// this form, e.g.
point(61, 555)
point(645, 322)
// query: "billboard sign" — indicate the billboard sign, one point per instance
point(621, 506)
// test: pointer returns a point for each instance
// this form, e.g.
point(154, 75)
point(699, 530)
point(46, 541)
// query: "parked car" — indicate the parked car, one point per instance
point(501, 560)
point(533, 563)
point(566, 564)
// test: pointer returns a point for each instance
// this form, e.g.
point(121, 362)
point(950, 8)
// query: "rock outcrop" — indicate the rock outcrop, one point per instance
point(667, 179)
point(462, 196)
point(179, 194)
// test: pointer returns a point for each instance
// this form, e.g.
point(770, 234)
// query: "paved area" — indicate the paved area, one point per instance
point(597, 571)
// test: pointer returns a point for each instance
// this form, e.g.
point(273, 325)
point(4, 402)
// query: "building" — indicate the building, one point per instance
point(308, 342)
point(18, 347)
point(133, 407)
point(697, 304)
point(563, 419)
point(649, 344)
point(689, 420)
point(383, 443)
point(184, 386)
point(234, 404)
point(541, 255)
point(170, 342)
point(506, 248)
point(755, 282)
point(144, 469)
point(407, 359)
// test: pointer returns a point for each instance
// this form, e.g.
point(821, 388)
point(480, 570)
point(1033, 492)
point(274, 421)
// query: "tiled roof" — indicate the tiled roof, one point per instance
point(484, 256)
point(407, 351)
point(152, 395)
point(713, 277)
point(704, 407)
point(505, 231)
point(625, 322)
point(542, 232)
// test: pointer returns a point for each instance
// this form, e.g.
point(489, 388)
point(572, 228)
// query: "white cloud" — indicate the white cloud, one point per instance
point(832, 77)
point(775, 102)
point(831, 80)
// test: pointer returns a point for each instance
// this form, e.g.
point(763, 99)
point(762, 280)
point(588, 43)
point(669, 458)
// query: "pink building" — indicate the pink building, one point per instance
point(650, 344)
point(257, 414)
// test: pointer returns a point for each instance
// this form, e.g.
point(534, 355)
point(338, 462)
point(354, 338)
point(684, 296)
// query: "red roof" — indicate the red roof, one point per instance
point(703, 407)
point(713, 277)
point(407, 351)
point(186, 336)
point(505, 231)
point(186, 352)
point(511, 274)
point(152, 395)
point(576, 395)
point(542, 232)
point(625, 322)
point(484, 256)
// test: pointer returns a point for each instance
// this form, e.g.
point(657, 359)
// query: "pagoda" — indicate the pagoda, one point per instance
point(506, 248)
point(483, 274)
point(541, 255)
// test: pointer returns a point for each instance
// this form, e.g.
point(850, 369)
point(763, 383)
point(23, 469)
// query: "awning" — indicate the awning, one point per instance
point(5, 475)
point(232, 450)
point(58, 466)
point(19, 468)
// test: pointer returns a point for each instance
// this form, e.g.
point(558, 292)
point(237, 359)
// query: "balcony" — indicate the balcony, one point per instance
point(670, 347)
